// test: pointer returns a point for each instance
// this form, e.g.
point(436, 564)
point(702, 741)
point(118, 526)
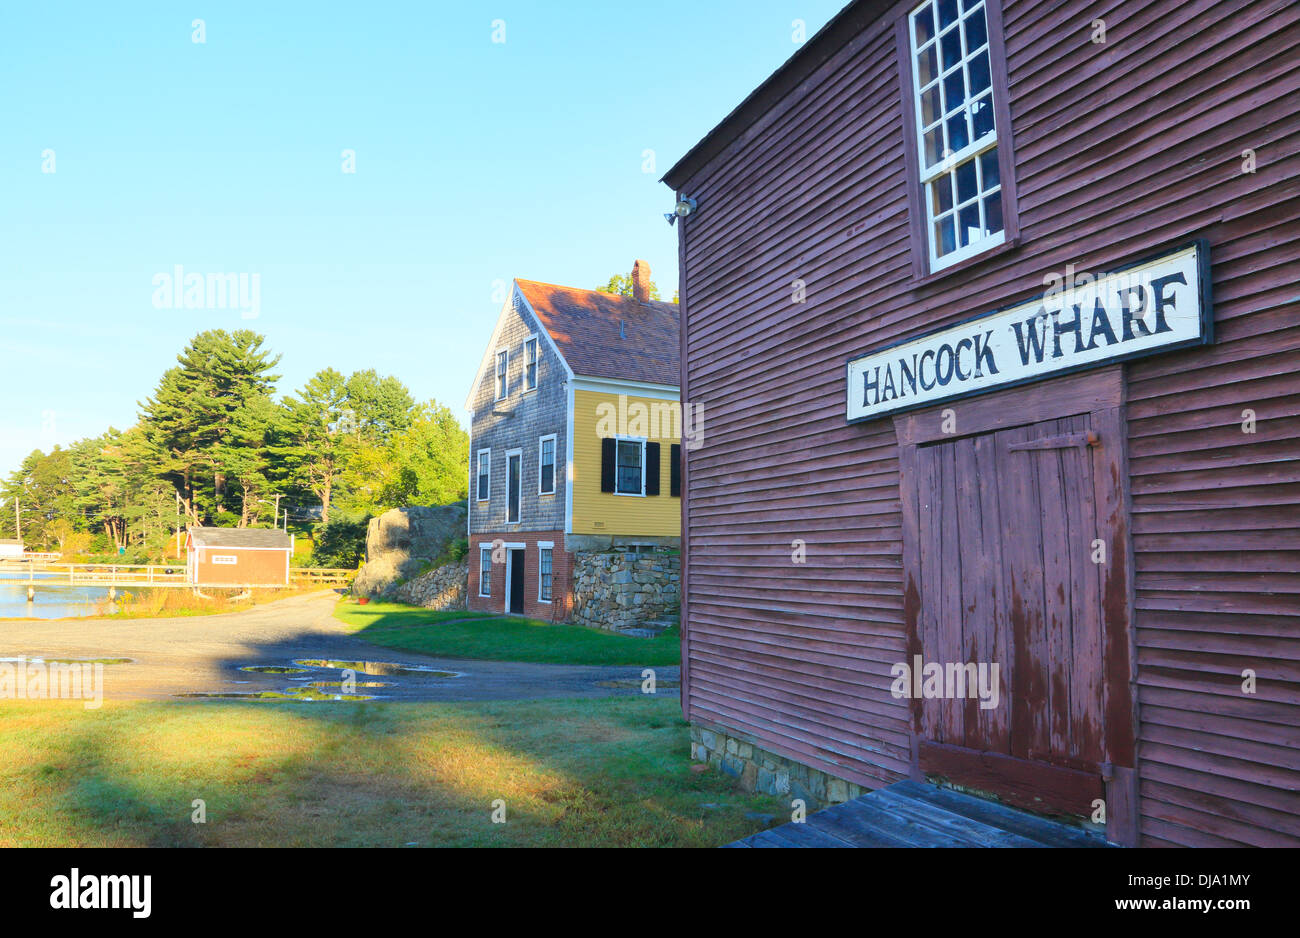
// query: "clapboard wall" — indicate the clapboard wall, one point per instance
point(1121, 149)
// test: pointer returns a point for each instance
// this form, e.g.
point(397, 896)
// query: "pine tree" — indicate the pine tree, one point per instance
point(197, 407)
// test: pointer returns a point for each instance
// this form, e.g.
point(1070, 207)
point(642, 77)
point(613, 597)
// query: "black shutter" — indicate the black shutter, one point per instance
point(675, 470)
point(652, 468)
point(607, 464)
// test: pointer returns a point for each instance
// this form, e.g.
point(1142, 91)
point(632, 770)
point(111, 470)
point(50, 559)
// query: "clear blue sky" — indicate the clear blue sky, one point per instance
point(475, 162)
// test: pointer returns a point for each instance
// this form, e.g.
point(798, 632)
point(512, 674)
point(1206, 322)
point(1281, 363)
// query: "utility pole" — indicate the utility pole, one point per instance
point(18, 521)
point(178, 524)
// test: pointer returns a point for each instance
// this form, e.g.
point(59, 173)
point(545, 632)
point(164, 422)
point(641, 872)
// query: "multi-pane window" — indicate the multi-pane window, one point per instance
point(514, 486)
point(503, 359)
point(485, 571)
point(956, 133)
point(530, 363)
point(629, 477)
point(544, 574)
point(484, 487)
point(546, 466)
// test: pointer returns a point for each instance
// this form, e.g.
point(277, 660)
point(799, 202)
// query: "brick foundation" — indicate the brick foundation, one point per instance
point(560, 607)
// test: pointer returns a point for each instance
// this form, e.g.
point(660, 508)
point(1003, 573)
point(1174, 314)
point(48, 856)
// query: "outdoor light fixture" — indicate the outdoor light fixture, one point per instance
point(685, 205)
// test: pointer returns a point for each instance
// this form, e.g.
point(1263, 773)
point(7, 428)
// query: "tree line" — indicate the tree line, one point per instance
point(213, 446)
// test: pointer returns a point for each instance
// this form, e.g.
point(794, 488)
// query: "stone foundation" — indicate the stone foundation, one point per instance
point(442, 588)
point(763, 771)
point(622, 589)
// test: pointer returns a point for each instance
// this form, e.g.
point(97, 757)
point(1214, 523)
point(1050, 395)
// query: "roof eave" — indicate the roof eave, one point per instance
point(811, 55)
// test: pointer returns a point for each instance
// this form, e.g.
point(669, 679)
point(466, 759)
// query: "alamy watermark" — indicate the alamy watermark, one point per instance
point(36, 679)
point(657, 420)
point(181, 290)
point(86, 891)
point(950, 681)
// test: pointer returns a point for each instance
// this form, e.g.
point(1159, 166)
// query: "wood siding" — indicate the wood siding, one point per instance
point(1122, 149)
point(251, 567)
point(596, 415)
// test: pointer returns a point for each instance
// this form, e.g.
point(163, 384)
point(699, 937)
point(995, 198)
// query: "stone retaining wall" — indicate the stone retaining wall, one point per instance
point(621, 589)
point(762, 771)
point(442, 588)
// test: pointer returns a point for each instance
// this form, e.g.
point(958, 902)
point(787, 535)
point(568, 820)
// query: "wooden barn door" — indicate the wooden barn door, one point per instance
point(1015, 547)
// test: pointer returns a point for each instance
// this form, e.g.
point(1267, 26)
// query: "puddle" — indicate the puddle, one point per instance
point(272, 669)
point(380, 668)
point(294, 693)
point(324, 684)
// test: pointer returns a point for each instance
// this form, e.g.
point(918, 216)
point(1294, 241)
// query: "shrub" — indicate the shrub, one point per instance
point(341, 543)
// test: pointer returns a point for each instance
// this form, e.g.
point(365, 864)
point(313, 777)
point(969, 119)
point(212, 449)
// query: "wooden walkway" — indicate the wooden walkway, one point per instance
point(912, 814)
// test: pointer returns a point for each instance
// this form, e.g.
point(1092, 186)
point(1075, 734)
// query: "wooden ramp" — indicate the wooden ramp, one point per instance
point(912, 814)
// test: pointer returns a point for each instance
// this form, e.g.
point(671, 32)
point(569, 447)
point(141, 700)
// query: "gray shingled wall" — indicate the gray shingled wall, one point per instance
point(518, 422)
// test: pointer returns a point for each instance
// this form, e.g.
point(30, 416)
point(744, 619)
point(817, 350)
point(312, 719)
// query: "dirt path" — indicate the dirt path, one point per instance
point(204, 654)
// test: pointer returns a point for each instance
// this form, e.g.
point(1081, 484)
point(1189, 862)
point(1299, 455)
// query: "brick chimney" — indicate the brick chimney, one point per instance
point(641, 282)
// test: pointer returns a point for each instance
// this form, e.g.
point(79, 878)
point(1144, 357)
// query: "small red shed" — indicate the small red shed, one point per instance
point(238, 556)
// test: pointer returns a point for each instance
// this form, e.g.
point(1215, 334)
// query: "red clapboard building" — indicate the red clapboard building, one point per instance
point(991, 307)
point(238, 556)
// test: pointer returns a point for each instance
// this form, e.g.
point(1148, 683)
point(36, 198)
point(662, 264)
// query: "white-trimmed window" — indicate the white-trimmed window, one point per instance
point(546, 465)
point(629, 467)
point(514, 485)
point(545, 560)
point(485, 571)
point(484, 485)
point(503, 363)
point(530, 363)
point(957, 137)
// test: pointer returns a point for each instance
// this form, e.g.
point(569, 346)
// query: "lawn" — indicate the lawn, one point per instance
point(501, 638)
point(610, 772)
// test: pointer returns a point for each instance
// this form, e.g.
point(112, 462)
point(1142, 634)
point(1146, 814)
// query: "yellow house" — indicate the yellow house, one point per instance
point(575, 439)
point(626, 450)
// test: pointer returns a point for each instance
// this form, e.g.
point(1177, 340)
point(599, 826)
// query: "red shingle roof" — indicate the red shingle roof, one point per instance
point(602, 335)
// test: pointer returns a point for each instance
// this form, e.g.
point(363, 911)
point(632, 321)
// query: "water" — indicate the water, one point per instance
point(53, 600)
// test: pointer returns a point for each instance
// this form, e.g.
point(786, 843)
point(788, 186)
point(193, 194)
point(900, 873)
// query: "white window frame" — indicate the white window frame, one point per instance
point(535, 364)
point(545, 547)
point(520, 454)
point(630, 439)
point(971, 151)
point(484, 586)
point(498, 379)
point(478, 477)
point(555, 463)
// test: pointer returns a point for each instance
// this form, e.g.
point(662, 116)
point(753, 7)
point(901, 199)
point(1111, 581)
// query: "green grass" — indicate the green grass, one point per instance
point(501, 638)
point(609, 772)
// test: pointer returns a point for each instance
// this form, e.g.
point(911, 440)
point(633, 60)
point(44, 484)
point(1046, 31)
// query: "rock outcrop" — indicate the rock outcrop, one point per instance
point(402, 543)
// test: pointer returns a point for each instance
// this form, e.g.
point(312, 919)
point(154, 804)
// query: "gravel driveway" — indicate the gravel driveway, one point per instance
point(204, 654)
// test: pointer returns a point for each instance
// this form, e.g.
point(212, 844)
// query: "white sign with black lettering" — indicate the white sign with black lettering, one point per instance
point(1081, 321)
